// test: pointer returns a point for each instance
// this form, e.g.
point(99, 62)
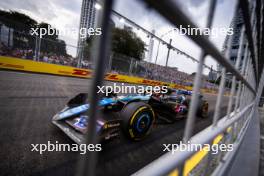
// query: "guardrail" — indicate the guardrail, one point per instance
point(244, 97)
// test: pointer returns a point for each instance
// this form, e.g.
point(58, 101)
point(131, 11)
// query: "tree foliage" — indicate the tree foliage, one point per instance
point(87, 48)
point(52, 43)
point(22, 38)
point(124, 42)
point(128, 43)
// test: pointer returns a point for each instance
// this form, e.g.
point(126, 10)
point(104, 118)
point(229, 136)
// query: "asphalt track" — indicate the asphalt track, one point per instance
point(27, 104)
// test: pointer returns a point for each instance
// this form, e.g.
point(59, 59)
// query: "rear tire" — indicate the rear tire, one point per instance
point(138, 118)
point(203, 109)
point(187, 102)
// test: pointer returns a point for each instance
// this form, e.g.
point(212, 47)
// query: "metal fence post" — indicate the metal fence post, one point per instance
point(87, 162)
point(168, 54)
point(244, 105)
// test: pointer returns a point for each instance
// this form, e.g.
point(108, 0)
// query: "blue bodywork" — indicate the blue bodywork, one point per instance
point(184, 92)
point(103, 102)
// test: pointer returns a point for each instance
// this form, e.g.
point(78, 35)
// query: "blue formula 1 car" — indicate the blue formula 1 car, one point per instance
point(133, 115)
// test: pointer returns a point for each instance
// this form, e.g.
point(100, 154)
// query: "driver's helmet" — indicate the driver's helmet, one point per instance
point(181, 99)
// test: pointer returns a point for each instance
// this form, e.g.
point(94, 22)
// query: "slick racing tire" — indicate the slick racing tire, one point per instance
point(137, 120)
point(187, 102)
point(203, 109)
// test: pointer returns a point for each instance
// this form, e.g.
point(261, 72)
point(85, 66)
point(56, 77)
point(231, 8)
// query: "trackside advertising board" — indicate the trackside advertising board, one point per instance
point(47, 68)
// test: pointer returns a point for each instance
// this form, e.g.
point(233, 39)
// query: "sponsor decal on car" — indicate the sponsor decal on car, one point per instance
point(82, 122)
point(111, 125)
point(111, 135)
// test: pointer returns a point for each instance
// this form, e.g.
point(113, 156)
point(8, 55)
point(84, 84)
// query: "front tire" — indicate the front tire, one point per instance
point(138, 118)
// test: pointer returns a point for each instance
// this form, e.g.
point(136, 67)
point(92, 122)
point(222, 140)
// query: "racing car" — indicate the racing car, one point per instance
point(184, 92)
point(132, 115)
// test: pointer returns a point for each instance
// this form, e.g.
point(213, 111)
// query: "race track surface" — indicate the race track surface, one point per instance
point(27, 104)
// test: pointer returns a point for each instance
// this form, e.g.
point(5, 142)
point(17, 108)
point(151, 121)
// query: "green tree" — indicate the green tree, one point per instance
point(21, 24)
point(18, 21)
point(88, 48)
point(128, 43)
point(22, 38)
point(51, 42)
point(124, 42)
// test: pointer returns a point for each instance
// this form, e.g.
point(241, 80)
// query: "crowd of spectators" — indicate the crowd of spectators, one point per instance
point(57, 59)
point(150, 71)
point(172, 75)
point(21, 53)
point(167, 74)
point(52, 58)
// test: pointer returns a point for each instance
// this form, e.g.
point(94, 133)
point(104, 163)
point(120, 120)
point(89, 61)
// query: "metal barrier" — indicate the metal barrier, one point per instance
point(245, 94)
point(246, 89)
